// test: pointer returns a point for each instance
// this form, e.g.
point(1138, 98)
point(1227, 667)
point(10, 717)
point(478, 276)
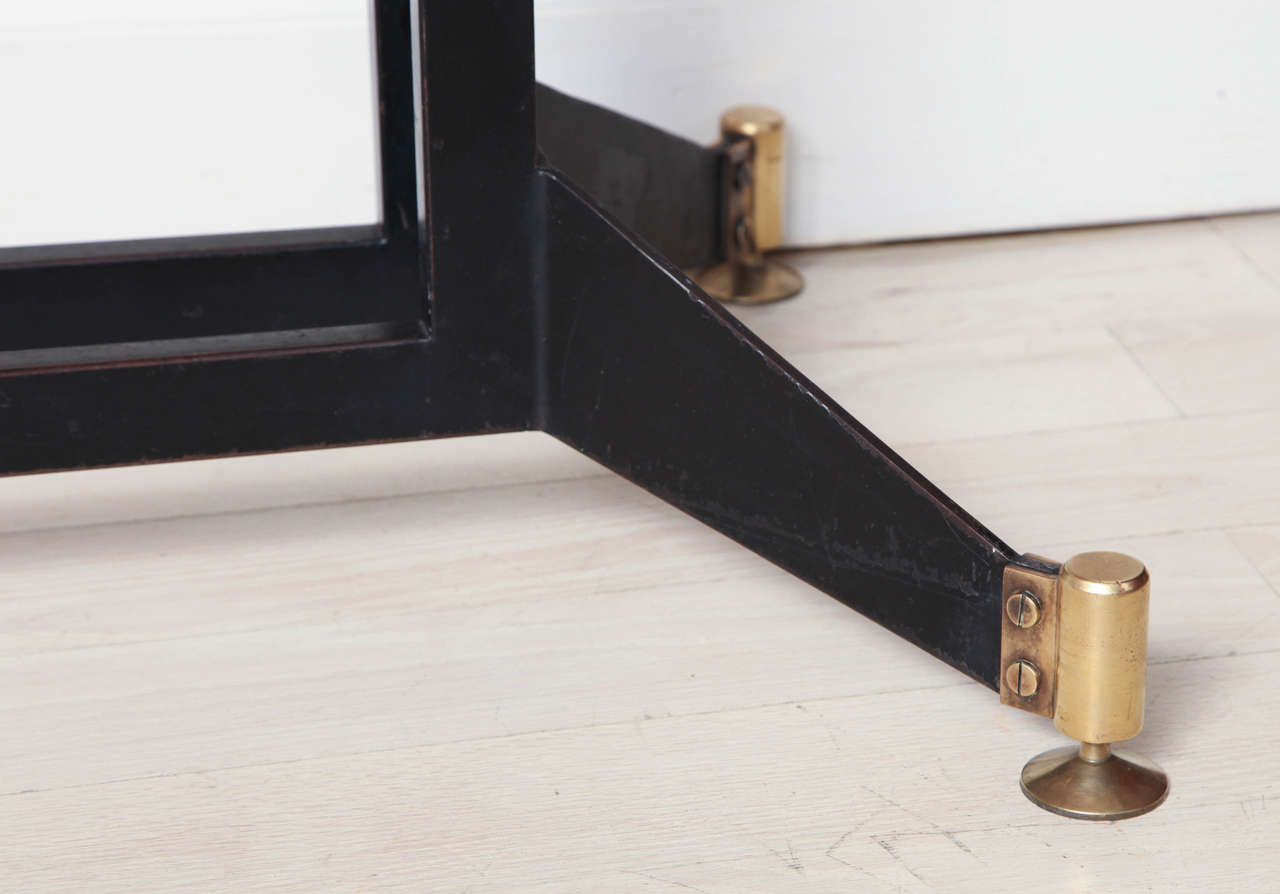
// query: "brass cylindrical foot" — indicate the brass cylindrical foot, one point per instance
point(1101, 674)
point(1093, 783)
point(754, 145)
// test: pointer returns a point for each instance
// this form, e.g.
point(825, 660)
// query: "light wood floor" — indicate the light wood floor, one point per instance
point(485, 666)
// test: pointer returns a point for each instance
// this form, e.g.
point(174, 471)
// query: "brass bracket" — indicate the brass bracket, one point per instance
point(754, 171)
point(1029, 638)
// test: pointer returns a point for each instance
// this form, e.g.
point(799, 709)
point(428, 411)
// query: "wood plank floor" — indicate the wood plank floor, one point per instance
point(483, 665)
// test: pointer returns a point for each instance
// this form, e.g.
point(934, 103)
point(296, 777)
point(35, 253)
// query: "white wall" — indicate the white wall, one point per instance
point(126, 119)
point(134, 118)
point(932, 117)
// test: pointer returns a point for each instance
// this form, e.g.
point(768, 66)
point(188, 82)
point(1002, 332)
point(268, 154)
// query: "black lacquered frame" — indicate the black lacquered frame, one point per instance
point(497, 296)
point(421, 328)
point(168, 292)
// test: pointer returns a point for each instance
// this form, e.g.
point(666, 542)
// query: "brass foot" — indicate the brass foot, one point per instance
point(1082, 632)
point(1093, 783)
point(753, 140)
point(739, 283)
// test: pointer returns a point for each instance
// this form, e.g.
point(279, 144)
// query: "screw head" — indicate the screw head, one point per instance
point(1023, 609)
point(1023, 678)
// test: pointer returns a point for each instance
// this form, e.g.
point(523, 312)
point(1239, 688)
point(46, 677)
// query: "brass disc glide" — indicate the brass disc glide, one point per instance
point(1093, 783)
point(741, 284)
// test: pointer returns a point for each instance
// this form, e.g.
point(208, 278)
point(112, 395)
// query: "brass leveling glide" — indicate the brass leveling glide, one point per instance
point(753, 143)
point(1074, 648)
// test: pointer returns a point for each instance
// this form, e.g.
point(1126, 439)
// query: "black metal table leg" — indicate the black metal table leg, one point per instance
point(651, 378)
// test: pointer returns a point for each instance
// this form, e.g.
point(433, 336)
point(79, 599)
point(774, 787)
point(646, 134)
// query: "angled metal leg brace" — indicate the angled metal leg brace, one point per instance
point(644, 373)
point(651, 378)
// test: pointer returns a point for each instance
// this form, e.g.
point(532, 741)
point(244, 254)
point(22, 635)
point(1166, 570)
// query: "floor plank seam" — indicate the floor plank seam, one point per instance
point(1262, 272)
point(401, 749)
point(1177, 408)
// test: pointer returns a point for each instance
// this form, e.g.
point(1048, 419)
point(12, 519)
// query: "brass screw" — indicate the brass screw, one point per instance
point(1023, 678)
point(1023, 609)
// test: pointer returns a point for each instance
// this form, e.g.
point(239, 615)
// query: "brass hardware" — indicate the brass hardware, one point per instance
point(1095, 663)
point(754, 144)
point(1036, 583)
point(741, 284)
point(1023, 678)
point(1023, 609)
point(1082, 784)
point(1102, 647)
point(765, 130)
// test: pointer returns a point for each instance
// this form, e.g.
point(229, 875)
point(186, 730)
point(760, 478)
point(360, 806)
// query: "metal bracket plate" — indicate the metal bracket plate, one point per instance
point(1035, 642)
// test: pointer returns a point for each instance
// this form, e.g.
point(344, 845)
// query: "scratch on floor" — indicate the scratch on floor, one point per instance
point(951, 836)
point(789, 859)
point(893, 803)
point(1146, 373)
point(1245, 255)
point(945, 833)
point(831, 852)
point(888, 849)
point(664, 881)
point(839, 841)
